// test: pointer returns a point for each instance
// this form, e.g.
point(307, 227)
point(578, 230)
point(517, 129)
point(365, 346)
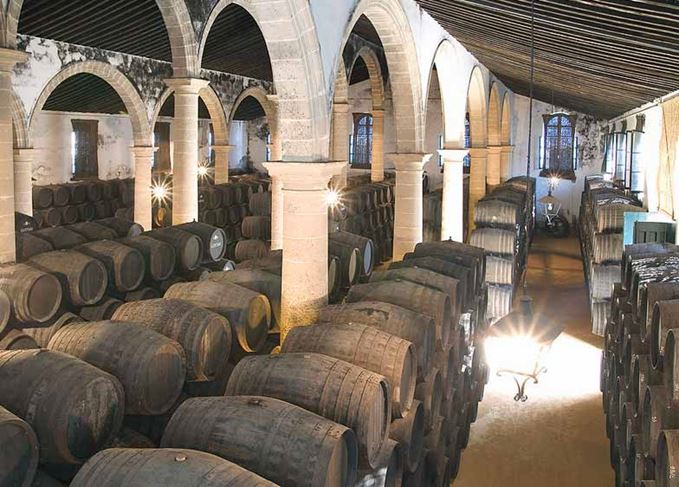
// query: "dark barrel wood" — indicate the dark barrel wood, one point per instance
point(150, 366)
point(86, 212)
point(365, 246)
point(78, 193)
point(60, 238)
point(83, 278)
point(69, 215)
point(14, 339)
point(279, 435)
point(153, 427)
point(34, 295)
point(61, 195)
point(41, 479)
point(163, 468)
point(187, 246)
point(93, 231)
point(213, 239)
point(122, 226)
point(101, 311)
point(44, 334)
point(248, 312)
point(125, 265)
point(42, 197)
point(28, 245)
point(456, 252)
point(205, 336)
point(367, 347)
point(5, 310)
point(412, 296)
point(129, 438)
point(430, 394)
point(665, 317)
point(159, 256)
point(257, 227)
point(141, 294)
point(49, 217)
point(655, 292)
point(19, 447)
point(337, 390)
point(349, 261)
point(390, 473)
point(414, 327)
point(258, 281)
point(251, 249)
point(409, 433)
point(73, 407)
point(260, 204)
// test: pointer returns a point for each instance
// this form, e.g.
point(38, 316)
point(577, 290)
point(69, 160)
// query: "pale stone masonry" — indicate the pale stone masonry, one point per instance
point(452, 211)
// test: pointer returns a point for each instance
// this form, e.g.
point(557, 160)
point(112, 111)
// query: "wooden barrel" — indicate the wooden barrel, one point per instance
point(129, 438)
point(35, 296)
point(94, 191)
point(260, 204)
point(655, 292)
point(86, 212)
point(430, 394)
point(73, 407)
point(495, 241)
point(409, 433)
point(69, 215)
point(367, 347)
point(125, 265)
point(83, 279)
point(42, 197)
point(5, 310)
point(123, 227)
point(150, 367)
point(412, 296)
point(337, 390)
point(655, 417)
point(141, 294)
point(205, 336)
point(251, 249)
point(163, 468)
point(61, 196)
point(257, 227)
point(607, 248)
point(60, 238)
point(610, 218)
point(494, 213)
point(414, 327)
point(78, 193)
point(153, 427)
point(188, 247)
point(28, 245)
point(463, 274)
point(601, 280)
point(500, 299)
point(457, 253)
point(101, 311)
point(49, 217)
point(104, 209)
point(390, 473)
point(215, 425)
point(425, 277)
point(93, 231)
point(500, 270)
point(349, 261)
point(663, 320)
point(258, 281)
point(159, 256)
point(209, 197)
point(14, 339)
point(19, 447)
point(248, 312)
point(365, 246)
point(667, 459)
point(213, 239)
point(41, 479)
point(44, 334)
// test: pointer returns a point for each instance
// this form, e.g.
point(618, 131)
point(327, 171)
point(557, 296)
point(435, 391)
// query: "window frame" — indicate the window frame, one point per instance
point(354, 141)
point(545, 163)
point(91, 171)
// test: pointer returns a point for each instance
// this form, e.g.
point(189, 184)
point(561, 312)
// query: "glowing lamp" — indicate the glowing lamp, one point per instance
point(160, 192)
point(518, 346)
point(202, 171)
point(332, 198)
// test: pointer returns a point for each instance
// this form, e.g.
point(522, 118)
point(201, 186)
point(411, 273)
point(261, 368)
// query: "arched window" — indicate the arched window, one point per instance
point(362, 140)
point(559, 146)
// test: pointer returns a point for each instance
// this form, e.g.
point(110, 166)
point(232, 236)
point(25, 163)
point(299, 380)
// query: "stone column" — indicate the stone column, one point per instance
point(276, 210)
point(377, 165)
point(8, 58)
point(341, 124)
point(506, 156)
point(143, 166)
point(23, 182)
point(222, 153)
point(408, 219)
point(452, 212)
point(185, 164)
point(494, 170)
point(477, 179)
point(305, 239)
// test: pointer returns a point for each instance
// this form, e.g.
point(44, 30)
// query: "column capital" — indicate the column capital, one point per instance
point(495, 149)
point(187, 85)
point(9, 58)
point(453, 155)
point(304, 175)
point(507, 149)
point(341, 106)
point(222, 149)
point(476, 152)
point(24, 153)
point(143, 151)
point(410, 162)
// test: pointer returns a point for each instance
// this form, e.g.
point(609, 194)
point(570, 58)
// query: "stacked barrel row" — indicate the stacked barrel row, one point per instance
point(640, 360)
point(505, 223)
point(602, 221)
point(90, 269)
point(367, 210)
point(65, 204)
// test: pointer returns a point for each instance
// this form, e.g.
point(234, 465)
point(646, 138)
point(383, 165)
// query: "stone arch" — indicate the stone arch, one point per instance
point(297, 71)
point(177, 22)
point(271, 111)
point(341, 87)
point(453, 115)
point(375, 72)
point(393, 28)
point(20, 133)
point(506, 127)
point(118, 81)
point(494, 117)
point(477, 106)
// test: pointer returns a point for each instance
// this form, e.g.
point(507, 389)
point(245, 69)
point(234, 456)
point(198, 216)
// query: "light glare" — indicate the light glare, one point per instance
point(332, 197)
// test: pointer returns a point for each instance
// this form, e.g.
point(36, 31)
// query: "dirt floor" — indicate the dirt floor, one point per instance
point(557, 437)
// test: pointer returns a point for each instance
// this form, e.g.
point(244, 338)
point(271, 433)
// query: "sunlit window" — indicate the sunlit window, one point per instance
point(559, 146)
point(362, 140)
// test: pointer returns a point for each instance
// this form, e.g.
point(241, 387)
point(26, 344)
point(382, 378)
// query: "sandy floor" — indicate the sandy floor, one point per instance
point(557, 438)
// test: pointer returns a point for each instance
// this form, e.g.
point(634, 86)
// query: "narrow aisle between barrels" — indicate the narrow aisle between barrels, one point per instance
point(557, 437)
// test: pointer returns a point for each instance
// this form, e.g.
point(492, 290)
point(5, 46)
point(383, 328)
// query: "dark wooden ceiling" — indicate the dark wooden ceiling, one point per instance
point(128, 26)
point(249, 109)
point(601, 57)
point(85, 93)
